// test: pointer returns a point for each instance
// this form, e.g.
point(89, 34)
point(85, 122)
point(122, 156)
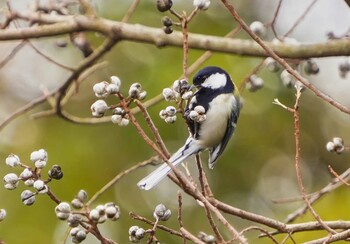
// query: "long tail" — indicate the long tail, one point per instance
point(191, 147)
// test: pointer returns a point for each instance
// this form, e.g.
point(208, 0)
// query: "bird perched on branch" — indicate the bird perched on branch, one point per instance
point(212, 116)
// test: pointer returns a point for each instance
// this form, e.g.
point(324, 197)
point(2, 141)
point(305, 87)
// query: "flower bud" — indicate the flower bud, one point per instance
point(82, 195)
point(169, 94)
point(201, 4)
point(12, 160)
point(38, 155)
point(115, 80)
point(164, 5)
point(99, 108)
point(55, 172)
point(100, 89)
point(11, 178)
point(161, 213)
point(170, 110)
point(28, 197)
point(258, 28)
point(26, 174)
point(2, 214)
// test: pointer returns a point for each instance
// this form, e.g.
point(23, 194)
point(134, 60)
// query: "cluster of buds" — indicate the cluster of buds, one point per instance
point(120, 117)
point(136, 234)
point(167, 25)
point(74, 218)
point(103, 89)
point(336, 145)
point(197, 114)
point(180, 88)
point(136, 92)
point(161, 212)
point(254, 83)
point(168, 114)
point(31, 176)
point(201, 4)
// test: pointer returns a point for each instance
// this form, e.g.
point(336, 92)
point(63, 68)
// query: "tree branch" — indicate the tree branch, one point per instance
point(58, 25)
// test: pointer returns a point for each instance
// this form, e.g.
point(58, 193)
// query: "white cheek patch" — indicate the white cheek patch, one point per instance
point(215, 81)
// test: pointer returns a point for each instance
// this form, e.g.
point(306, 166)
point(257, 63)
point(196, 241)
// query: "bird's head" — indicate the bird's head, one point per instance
point(213, 78)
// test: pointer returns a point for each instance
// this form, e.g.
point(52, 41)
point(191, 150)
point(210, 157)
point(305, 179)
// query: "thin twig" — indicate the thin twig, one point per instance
point(280, 60)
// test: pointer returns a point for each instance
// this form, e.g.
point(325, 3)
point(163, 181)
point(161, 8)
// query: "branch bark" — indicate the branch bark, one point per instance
point(58, 25)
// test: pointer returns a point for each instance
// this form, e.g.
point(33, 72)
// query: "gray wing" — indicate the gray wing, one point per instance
point(215, 152)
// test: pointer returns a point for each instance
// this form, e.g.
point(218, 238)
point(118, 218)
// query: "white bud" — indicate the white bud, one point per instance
point(199, 109)
point(2, 214)
point(201, 4)
point(187, 95)
point(258, 28)
point(26, 174)
point(29, 182)
point(142, 95)
point(28, 197)
point(100, 89)
point(12, 160)
point(180, 85)
point(99, 108)
point(116, 118)
point(170, 119)
point(140, 233)
point(170, 110)
point(74, 231)
point(133, 229)
point(10, 186)
point(255, 83)
point(38, 155)
point(135, 89)
point(169, 94)
point(94, 215)
point(80, 236)
point(115, 80)
point(112, 89)
point(40, 164)
point(201, 118)
point(193, 115)
point(63, 207)
point(82, 195)
point(338, 141)
point(272, 64)
point(163, 114)
point(287, 79)
point(77, 204)
point(161, 213)
point(11, 178)
point(330, 146)
point(119, 111)
point(124, 122)
point(39, 185)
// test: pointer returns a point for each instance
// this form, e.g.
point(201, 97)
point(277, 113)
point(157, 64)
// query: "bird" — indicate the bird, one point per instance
point(217, 94)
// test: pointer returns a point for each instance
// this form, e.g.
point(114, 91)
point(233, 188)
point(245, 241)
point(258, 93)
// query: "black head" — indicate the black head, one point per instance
point(213, 78)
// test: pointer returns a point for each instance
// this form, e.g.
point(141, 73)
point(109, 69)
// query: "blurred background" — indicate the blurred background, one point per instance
point(256, 168)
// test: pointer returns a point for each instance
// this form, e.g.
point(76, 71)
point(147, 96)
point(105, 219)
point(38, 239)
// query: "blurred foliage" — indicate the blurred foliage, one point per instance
point(257, 167)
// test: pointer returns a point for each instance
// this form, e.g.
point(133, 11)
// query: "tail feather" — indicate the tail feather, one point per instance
point(190, 148)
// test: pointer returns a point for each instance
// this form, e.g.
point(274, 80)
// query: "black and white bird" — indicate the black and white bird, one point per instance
point(216, 93)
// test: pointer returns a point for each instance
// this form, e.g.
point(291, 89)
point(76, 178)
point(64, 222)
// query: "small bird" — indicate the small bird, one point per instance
point(216, 95)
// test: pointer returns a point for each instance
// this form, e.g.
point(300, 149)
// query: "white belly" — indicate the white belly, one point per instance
point(214, 127)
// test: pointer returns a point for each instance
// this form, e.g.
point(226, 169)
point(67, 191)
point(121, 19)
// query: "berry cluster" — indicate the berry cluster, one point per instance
point(104, 89)
point(82, 219)
point(31, 176)
point(161, 213)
